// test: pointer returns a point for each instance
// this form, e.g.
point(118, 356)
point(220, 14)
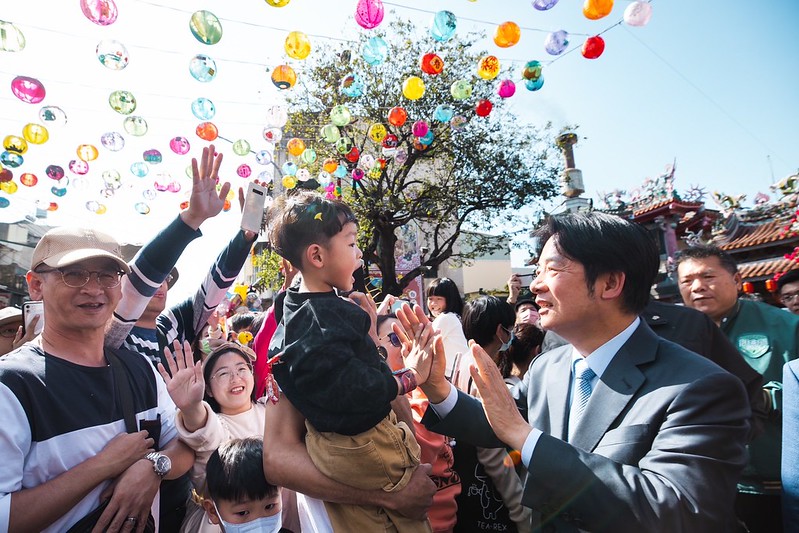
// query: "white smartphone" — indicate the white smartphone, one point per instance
point(30, 310)
point(253, 215)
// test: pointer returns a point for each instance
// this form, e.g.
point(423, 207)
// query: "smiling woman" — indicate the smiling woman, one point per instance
point(216, 404)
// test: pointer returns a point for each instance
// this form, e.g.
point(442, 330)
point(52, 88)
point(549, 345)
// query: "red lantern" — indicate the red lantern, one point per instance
point(6, 175)
point(771, 285)
point(483, 108)
point(748, 287)
point(397, 116)
point(432, 64)
point(353, 155)
point(593, 47)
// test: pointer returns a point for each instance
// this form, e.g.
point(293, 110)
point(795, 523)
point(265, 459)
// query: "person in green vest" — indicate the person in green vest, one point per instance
point(767, 337)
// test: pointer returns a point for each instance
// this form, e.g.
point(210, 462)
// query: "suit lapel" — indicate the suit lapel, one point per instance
point(557, 390)
point(620, 381)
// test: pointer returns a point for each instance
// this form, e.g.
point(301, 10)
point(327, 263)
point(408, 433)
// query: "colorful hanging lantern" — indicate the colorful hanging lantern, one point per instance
point(14, 144)
point(556, 42)
point(28, 179)
point(461, 89)
point(87, 152)
point(6, 175)
point(413, 88)
point(351, 85)
point(203, 109)
point(295, 146)
point(374, 51)
point(638, 13)
point(123, 102)
point(52, 116)
point(377, 132)
point(276, 117)
point(534, 85)
point(278, 3)
point(483, 108)
point(330, 133)
point(101, 12)
point(79, 167)
point(420, 128)
point(507, 34)
point(135, 125)
point(112, 54)
point(113, 141)
point(207, 131)
point(205, 27)
point(284, 77)
point(202, 68)
point(54, 172)
point(544, 5)
point(369, 13)
point(443, 113)
point(443, 26)
point(431, 64)
point(241, 147)
point(532, 70)
point(35, 133)
point(297, 45)
point(11, 38)
point(488, 67)
point(340, 115)
point(397, 116)
point(593, 47)
point(506, 89)
point(597, 9)
point(29, 90)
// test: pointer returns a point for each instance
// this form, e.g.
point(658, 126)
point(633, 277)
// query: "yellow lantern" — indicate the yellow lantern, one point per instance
point(15, 145)
point(377, 132)
point(488, 67)
point(507, 34)
point(297, 45)
point(87, 152)
point(413, 88)
point(35, 133)
point(295, 147)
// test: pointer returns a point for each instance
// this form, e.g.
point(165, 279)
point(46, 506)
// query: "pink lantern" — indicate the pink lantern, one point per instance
point(29, 90)
point(101, 12)
point(420, 128)
point(638, 13)
point(593, 47)
point(369, 13)
point(506, 89)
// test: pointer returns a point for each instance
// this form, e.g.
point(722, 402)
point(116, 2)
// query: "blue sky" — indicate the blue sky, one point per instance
point(709, 83)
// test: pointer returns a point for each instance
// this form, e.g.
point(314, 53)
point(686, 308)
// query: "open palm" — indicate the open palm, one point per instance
point(184, 381)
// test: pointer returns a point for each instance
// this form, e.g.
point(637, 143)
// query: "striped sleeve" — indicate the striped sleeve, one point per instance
point(185, 320)
point(148, 270)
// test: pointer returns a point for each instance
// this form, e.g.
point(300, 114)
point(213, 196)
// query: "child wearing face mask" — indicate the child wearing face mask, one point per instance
point(487, 475)
point(241, 500)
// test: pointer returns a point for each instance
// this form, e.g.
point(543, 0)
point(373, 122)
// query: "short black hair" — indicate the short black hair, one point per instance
point(526, 338)
point(235, 471)
point(297, 220)
point(447, 289)
point(604, 243)
point(482, 315)
point(791, 276)
point(704, 251)
point(241, 321)
point(210, 362)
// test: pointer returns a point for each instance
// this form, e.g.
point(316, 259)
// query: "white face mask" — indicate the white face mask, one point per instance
point(265, 524)
point(506, 345)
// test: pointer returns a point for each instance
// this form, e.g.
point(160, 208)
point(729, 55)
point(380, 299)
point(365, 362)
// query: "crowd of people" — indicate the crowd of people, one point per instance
point(579, 404)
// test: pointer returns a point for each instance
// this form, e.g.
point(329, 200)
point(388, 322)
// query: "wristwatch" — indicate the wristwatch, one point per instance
point(161, 463)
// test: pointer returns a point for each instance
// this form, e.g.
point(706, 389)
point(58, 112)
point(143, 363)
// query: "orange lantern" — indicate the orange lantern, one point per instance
point(397, 116)
point(207, 131)
point(596, 9)
point(748, 288)
point(771, 285)
point(284, 77)
point(507, 34)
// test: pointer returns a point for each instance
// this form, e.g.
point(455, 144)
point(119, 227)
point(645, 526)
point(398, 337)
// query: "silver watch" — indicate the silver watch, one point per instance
point(161, 463)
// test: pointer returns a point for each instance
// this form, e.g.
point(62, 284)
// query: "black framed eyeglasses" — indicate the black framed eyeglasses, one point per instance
point(393, 339)
point(78, 277)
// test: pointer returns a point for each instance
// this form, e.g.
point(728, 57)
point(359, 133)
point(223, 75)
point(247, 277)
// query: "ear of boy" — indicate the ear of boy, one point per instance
point(210, 510)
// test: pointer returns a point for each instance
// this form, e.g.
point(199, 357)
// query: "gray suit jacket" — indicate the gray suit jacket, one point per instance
point(660, 446)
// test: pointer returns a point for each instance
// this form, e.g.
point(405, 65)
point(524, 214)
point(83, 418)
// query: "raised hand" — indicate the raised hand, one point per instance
point(415, 331)
point(205, 201)
point(184, 381)
point(499, 405)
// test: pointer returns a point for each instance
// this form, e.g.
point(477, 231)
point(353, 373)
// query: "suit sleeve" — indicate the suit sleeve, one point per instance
point(790, 444)
point(684, 482)
point(466, 421)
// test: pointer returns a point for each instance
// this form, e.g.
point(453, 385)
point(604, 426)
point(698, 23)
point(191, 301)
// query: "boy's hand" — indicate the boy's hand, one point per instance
point(415, 331)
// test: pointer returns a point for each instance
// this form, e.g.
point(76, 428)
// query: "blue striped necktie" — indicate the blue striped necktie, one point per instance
point(582, 392)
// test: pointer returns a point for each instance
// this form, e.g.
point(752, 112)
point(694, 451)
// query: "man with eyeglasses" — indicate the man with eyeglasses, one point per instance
point(63, 439)
point(788, 289)
point(766, 337)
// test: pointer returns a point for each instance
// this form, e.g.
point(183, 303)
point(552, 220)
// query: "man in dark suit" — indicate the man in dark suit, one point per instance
point(627, 431)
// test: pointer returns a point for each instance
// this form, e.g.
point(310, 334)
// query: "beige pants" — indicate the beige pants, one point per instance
point(383, 457)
